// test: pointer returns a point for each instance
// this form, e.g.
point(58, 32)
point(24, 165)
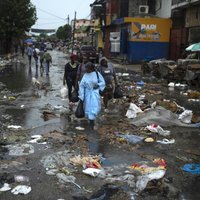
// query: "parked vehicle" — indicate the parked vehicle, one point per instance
point(88, 52)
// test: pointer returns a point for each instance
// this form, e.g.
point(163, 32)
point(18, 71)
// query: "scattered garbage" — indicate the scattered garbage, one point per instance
point(160, 162)
point(197, 124)
point(57, 136)
point(149, 173)
point(140, 83)
point(144, 179)
point(79, 128)
point(171, 84)
point(85, 160)
point(193, 94)
point(53, 161)
point(20, 149)
point(91, 171)
point(186, 116)
point(125, 74)
point(153, 105)
point(21, 189)
point(63, 92)
point(166, 141)
point(145, 168)
point(5, 187)
point(170, 105)
point(11, 98)
point(14, 127)
point(52, 172)
point(21, 178)
point(183, 86)
point(154, 128)
point(132, 111)
point(67, 179)
point(192, 168)
point(36, 139)
point(160, 116)
point(149, 140)
point(193, 100)
point(131, 138)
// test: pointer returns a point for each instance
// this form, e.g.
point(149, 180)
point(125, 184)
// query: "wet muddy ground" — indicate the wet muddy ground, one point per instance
point(47, 163)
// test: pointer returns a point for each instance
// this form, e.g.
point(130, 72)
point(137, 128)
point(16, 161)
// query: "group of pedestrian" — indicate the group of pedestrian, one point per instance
point(91, 82)
point(41, 56)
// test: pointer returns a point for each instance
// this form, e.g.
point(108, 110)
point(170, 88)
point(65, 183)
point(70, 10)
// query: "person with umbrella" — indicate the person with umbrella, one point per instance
point(29, 52)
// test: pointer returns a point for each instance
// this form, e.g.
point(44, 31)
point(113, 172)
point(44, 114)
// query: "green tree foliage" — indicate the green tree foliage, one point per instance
point(16, 17)
point(64, 32)
point(43, 36)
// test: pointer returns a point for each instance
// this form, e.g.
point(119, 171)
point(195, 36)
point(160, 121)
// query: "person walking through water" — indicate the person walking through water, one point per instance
point(80, 71)
point(47, 59)
point(29, 52)
point(70, 75)
point(22, 47)
point(36, 52)
point(108, 72)
point(91, 83)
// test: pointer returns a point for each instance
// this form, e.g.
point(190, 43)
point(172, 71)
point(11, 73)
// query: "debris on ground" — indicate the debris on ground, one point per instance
point(21, 189)
point(192, 168)
point(154, 128)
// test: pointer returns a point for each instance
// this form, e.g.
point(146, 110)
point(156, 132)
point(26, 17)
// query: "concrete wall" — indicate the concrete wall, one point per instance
point(133, 8)
point(163, 8)
point(192, 16)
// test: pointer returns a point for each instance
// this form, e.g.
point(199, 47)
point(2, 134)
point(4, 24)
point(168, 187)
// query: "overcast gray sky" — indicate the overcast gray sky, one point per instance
point(54, 13)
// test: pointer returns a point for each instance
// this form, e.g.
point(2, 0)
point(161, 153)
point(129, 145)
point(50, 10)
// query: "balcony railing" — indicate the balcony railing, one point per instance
point(174, 2)
point(179, 1)
point(183, 3)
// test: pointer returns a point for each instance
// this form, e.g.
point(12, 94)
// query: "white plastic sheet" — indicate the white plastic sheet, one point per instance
point(144, 179)
point(132, 111)
point(186, 116)
point(92, 171)
point(166, 141)
point(21, 189)
point(5, 187)
point(161, 116)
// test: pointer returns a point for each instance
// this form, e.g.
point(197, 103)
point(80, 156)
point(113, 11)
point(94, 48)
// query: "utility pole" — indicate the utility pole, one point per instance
point(68, 19)
point(73, 32)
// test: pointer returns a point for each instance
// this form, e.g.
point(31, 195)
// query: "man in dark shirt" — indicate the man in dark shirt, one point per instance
point(70, 75)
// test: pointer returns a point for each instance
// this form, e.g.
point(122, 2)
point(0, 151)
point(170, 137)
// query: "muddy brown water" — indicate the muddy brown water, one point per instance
point(26, 110)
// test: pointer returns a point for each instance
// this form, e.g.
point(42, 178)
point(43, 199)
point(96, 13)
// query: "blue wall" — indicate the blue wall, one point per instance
point(138, 51)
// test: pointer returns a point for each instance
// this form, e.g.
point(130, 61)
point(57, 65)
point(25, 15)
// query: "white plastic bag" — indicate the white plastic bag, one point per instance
point(132, 111)
point(166, 141)
point(63, 92)
point(171, 84)
point(186, 116)
point(5, 187)
point(21, 189)
point(144, 179)
point(92, 171)
point(158, 129)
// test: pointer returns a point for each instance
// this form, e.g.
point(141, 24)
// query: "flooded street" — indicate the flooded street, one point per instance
point(54, 161)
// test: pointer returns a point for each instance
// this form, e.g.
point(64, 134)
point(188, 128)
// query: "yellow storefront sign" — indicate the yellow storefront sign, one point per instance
point(148, 29)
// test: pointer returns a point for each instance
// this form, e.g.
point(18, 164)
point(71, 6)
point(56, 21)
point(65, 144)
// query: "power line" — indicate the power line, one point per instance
point(50, 13)
point(50, 23)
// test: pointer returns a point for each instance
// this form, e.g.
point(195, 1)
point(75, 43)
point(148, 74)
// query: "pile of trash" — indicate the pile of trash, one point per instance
point(8, 60)
point(135, 176)
point(18, 184)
